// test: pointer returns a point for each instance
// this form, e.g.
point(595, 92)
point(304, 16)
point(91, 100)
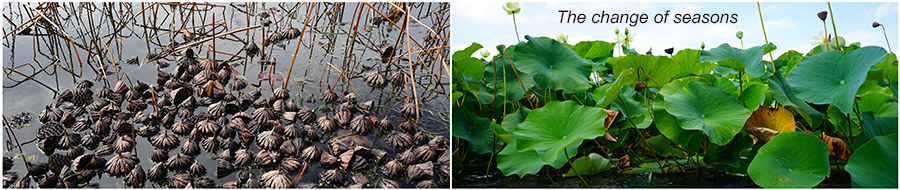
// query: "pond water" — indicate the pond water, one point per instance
point(340, 43)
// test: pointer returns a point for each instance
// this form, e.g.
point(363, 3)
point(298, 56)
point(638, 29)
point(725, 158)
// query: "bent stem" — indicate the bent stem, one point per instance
point(886, 39)
point(573, 168)
point(764, 34)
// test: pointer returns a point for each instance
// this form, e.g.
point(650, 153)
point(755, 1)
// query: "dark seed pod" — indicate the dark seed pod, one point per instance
point(385, 183)
point(293, 131)
point(420, 138)
point(329, 96)
point(160, 155)
point(274, 37)
point(263, 114)
point(337, 146)
point(243, 158)
point(384, 125)
point(407, 157)
point(343, 117)
point(293, 165)
point(251, 49)
point(409, 110)
point(311, 153)
point(182, 128)
point(205, 183)
point(822, 15)
point(328, 161)
point(180, 180)
point(124, 144)
point(393, 169)
point(306, 115)
point(245, 175)
point(266, 22)
point(366, 107)
point(51, 129)
point(197, 169)
point(291, 32)
point(361, 124)
point(311, 133)
point(104, 150)
point(223, 168)
point(229, 144)
point(439, 143)
point(408, 127)
point(420, 171)
point(640, 86)
point(22, 183)
point(424, 153)
point(360, 180)
point(263, 158)
point(326, 124)
point(208, 128)
point(357, 163)
point(875, 24)
point(276, 179)
point(136, 177)
point(397, 79)
point(227, 155)
point(120, 165)
point(158, 172)
point(268, 140)
point(9, 179)
point(375, 79)
point(252, 183)
point(37, 168)
point(190, 148)
point(165, 141)
point(426, 184)
point(120, 88)
point(194, 135)
point(48, 181)
point(178, 162)
point(210, 144)
point(398, 140)
point(332, 177)
point(217, 109)
point(282, 93)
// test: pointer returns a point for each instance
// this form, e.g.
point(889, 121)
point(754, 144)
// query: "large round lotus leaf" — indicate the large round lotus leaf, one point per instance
point(668, 125)
point(833, 77)
point(689, 61)
point(754, 95)
point(678, 84)
point(552, 64)
point(510, 80)
point(466, 64)
point(740, 60)
point(700, 106)
point(474, 129)
point(510, 121)
point(660, 68)
point(589, 165)
point(784, 94)
point(875, 163)
point(594, 49)
point(791, 160)
point(557, 125)
point(877, 102)
point(511, 161)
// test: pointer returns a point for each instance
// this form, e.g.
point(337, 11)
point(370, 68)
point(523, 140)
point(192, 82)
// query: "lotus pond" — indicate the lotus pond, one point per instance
point(227, 95)
point(546, 113)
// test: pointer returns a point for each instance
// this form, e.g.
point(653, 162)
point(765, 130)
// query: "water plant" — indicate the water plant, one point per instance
point(791, 121)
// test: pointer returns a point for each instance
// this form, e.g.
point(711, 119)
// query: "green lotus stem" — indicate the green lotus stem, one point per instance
point(493, 149)
point(551, 177)
point(827, 46)
point(514, 68)
point(648, 76)
point(573, 168)
point(517, 28)
point(833, 27)
point(758, 9)
point(741, 86)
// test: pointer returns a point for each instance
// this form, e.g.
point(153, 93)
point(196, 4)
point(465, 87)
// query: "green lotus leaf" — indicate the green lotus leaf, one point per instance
point(872, 85)
point(510, 121)
point(557, 125)
point(730, 154)
point(726, 85)
point(678, 84)
point(474, 129)
point(477, 87)
point(594, 49)
point(689, 140)
point(877, 102)
point(551, 64)
point(468, 65)
point(689, 62)
point(501, 134)
point(510, 80)
point(839, 120)
point(511, 161)
point(609, 92)
point(634, 110)
point(791, 58)
point(784, 94)
point(662, 69)
point(700, 106)
point(791, 160)
point(589, 165)
point(660, 145)
point(878, 126)
point(748, 59)
point(833, 77)
point(874, 164)
point(754, 95)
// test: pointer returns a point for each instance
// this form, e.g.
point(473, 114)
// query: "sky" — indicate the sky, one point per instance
point(790, 26)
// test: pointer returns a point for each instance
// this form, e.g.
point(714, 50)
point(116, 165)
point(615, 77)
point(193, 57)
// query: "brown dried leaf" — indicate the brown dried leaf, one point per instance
point(836, 147)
